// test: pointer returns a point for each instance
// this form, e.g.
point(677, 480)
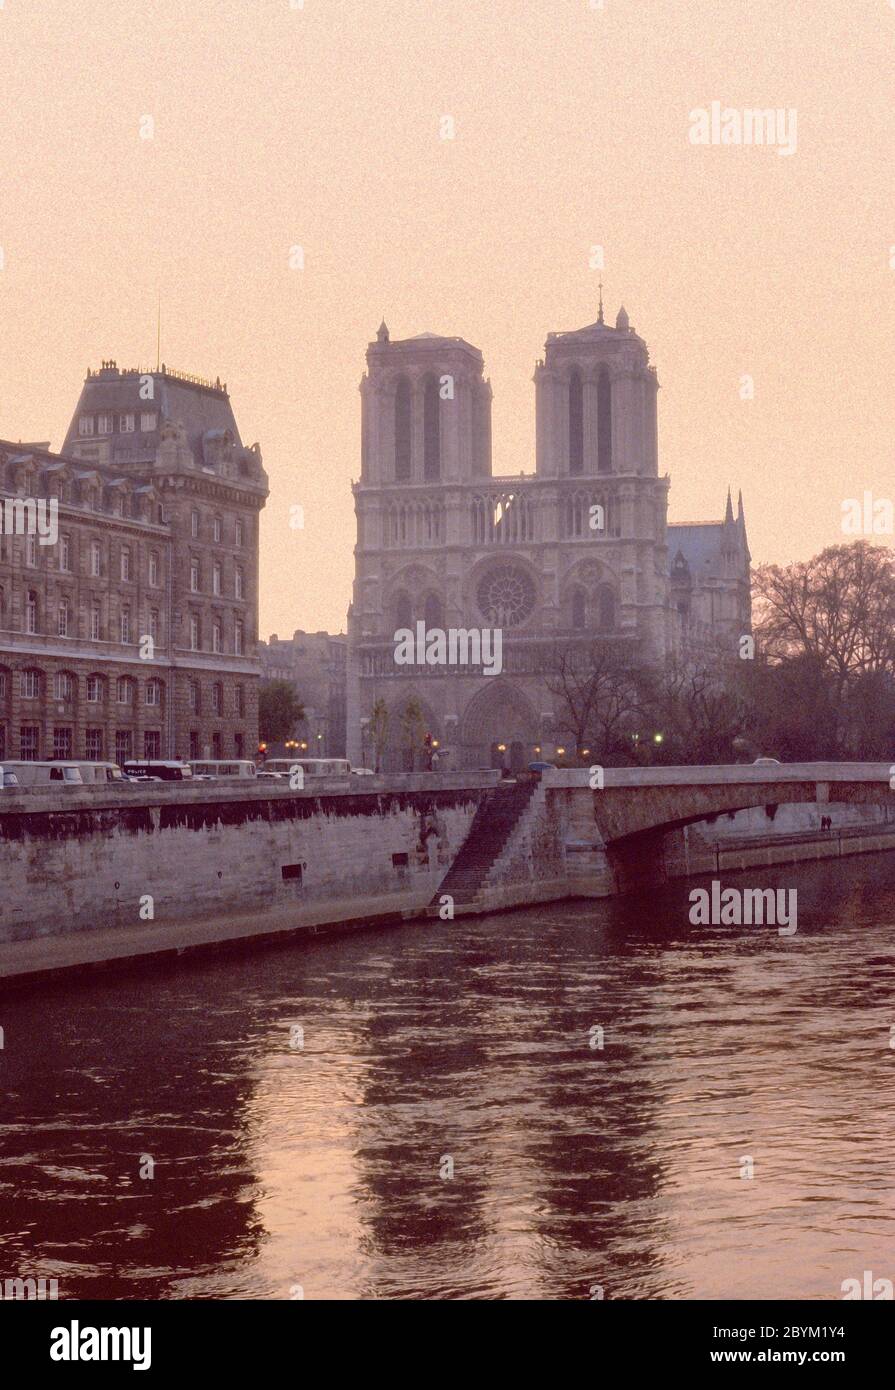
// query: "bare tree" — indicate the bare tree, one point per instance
point(596, 692)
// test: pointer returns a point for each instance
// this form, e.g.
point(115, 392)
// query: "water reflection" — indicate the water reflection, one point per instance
point(322, 1169)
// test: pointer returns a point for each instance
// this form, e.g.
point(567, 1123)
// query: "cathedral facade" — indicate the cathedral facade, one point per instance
point(578, 551)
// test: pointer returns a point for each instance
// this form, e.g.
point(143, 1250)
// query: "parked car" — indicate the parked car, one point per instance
point(540, 766)
point(362, 772)
point(222, 770)
point(311, 767)
point(158, 770)
point(767, 762)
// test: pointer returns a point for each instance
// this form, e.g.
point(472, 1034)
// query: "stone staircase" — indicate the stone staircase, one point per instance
point(493, 824)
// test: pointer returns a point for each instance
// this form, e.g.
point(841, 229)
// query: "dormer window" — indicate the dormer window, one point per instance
point(148, 420)
point(126, 424)
point(85, 426)
point(104, 424)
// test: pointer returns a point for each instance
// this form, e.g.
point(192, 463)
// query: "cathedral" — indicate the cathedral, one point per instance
point(578, 551)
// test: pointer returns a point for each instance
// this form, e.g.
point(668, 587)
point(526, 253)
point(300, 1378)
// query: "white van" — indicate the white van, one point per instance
point(95, 774)
point(219, 768)
point(44, 774)
point(311, 767)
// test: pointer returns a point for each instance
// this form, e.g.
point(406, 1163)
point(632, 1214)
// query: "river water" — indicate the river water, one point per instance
point(425, 1111)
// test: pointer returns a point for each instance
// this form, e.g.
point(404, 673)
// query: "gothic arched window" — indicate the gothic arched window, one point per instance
point(606, 602)
point(403, 614)
point(402, 430)
point(604, 423)
point(433, 611)
point(431, 430)
point(576, 423)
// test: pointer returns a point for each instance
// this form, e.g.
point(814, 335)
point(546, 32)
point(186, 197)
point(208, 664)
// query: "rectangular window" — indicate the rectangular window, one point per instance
point(291, 874)
point(217, 698)
point(195, 635)
point(238, 637)
point(62, 619)
point(62, 742)
point(217, 528)
point(239, 531)
point(152, 744)
point(240, 584)
point(94, 690)
point(85, 426)
point(194, 745)
point(216, 579)
point(65, 553)
point(63, 685)
point(153, 569)
point(31, 613)
point(194, 697)
point(217, 638)
point(30, 685)
point(125, 562)
point(194, 524)
point(93, 748)
point(126, 424)
point(94, 624)
point(94, 558)
point(152, 693)
point(104, 424)
point(123, 744)
point(29, 735)
point(125, 625)
point(125, 690)
point(147, 421)
point(216, 746)
point(31, 551)
point(194, 576)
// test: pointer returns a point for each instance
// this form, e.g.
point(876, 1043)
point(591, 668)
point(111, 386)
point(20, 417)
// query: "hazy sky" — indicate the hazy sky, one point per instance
point(319, 125)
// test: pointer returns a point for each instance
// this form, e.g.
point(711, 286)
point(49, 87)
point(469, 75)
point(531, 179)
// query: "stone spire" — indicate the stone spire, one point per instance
point(728, 514)
point(600, 318)
point(622, 321)
point(382, 332)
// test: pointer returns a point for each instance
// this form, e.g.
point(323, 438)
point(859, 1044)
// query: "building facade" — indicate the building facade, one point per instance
point(315, 665)
point(130, 628)
point(578, 550)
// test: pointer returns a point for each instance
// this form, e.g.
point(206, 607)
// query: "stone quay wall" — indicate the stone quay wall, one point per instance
point(83, 859)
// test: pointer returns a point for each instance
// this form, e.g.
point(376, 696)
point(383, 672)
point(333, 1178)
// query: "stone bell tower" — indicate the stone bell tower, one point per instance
point(596, 403)
point(426, 412)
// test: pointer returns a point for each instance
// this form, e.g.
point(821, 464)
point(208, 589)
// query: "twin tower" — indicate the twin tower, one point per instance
point(426, 414)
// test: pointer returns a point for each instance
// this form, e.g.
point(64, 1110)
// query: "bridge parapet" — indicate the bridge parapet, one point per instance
point(638, 801)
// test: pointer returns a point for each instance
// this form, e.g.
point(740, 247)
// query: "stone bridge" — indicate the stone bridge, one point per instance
point(636, 809)
point(633, 801)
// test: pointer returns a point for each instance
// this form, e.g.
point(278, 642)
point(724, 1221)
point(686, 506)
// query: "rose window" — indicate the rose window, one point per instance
point(506, 596)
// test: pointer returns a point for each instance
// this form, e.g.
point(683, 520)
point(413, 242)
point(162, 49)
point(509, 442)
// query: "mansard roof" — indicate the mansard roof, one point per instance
point(202, 407)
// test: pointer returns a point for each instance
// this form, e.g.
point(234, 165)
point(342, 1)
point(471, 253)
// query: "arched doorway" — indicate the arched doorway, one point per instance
point(499, 729)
